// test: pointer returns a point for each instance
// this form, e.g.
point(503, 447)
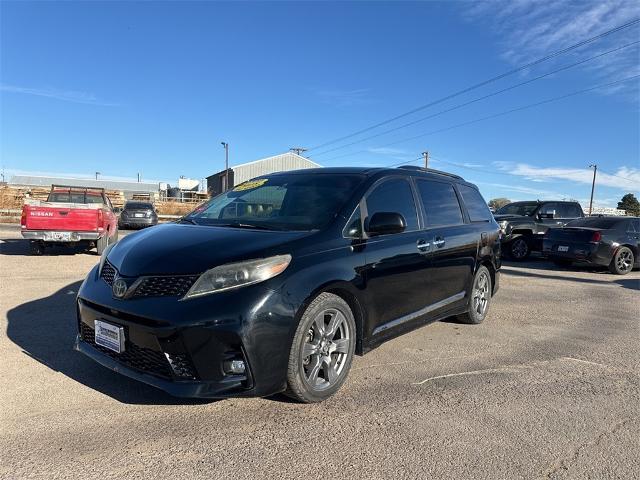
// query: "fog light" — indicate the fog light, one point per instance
point(235, 367)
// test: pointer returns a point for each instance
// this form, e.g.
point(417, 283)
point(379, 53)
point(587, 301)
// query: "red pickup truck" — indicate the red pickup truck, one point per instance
point(70, 216)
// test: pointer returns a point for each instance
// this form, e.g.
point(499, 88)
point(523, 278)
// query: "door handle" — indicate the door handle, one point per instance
point(423, 246)
point(439, 242)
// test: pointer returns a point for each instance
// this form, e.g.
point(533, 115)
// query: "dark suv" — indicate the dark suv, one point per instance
point(523, 224)
point(274, 286)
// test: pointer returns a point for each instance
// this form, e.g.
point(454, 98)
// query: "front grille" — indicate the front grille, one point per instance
point(134, 356)
point(160, 286)
point(108, 273)
point(165, 286)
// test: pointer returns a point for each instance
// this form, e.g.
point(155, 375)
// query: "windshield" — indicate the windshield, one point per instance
point(280, 202)
point(137, 206)
point(518, 208)
point(596, 222)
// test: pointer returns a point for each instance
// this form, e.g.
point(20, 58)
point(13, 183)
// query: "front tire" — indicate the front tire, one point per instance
point(622, 261)
point(519, 248)
point(322, 350)
point(480, 298)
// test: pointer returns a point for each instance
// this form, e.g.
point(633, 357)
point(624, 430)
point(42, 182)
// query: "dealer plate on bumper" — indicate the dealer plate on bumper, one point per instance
point(109, 336)
point(58, 236)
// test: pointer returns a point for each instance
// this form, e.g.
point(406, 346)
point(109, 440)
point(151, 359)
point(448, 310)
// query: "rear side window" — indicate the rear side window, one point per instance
point(395, 196)
point(440, 203)
point(476, 206)
point(568, 210)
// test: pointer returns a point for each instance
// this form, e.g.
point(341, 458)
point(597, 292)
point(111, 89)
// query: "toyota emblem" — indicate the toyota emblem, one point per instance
point(119, 288)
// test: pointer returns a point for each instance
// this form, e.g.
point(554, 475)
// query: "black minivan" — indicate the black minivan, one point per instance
point(274, 285)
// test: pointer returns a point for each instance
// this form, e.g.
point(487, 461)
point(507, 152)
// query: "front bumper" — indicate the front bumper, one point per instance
point(50, 235)
point(185, 347)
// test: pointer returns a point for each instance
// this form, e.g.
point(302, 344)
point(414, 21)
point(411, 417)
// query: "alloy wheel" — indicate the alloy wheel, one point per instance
point(519, 248)
point(325, 350)
point(624, 260)
point(481, 293)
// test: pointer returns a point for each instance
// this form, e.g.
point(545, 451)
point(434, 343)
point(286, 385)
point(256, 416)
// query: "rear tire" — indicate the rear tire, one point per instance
point(622, 261)
point(519, 248)
point(480, 298)
point(102, 243)
point(322, 350)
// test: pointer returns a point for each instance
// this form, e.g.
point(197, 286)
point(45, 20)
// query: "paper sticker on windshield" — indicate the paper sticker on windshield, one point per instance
point(250, 185)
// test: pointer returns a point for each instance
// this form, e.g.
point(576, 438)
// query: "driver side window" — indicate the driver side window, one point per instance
point(394, 196)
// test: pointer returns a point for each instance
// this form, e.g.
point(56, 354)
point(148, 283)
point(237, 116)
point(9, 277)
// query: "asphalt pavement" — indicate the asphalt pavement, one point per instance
point(546, 387)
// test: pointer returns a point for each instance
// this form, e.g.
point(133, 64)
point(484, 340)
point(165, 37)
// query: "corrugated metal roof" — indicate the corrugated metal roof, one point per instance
point(46, 181)
point(277, 163)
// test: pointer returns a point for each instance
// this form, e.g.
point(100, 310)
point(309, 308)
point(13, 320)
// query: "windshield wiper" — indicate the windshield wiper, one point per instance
point(241, 225)
point(188, 220)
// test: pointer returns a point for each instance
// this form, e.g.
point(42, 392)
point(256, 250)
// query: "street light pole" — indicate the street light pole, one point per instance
point(593, 186)
point(97, 173)
point(226, 166)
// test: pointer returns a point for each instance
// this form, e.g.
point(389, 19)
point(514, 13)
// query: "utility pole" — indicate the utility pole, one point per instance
point(226, 166)
point(298, 150)
point(593, 186)
point(138, 177)
point(426, 159)
point(97, 173)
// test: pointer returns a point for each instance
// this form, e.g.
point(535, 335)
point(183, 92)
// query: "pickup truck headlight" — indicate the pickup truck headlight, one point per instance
point(236, 275)
point(103, 257)
point(503, 225)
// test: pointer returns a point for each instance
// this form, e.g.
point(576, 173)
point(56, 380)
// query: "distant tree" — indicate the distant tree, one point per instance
point(497, 203)
point(630, 204)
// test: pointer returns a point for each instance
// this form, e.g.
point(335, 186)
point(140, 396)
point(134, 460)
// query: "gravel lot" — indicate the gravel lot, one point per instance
point(547, 387)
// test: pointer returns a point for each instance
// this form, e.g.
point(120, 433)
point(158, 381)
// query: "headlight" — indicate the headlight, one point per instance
point(235, 275)
point(103, 257)
point(503, 225)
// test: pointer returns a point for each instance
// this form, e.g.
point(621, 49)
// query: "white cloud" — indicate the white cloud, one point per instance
point(624, 178)
point(64, 95)
point(530, 29)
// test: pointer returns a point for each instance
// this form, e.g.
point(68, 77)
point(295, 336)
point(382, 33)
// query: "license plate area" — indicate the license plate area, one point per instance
point(58, 236)
point(563, 248)
point(138, 215)
point(109, 336)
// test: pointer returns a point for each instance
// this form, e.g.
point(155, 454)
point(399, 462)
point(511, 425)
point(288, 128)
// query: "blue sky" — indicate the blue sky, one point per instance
point(123, 88)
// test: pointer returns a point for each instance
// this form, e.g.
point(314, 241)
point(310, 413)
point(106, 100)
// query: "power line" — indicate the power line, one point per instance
point(495, 115)
point(484, 82)
point(484, 97)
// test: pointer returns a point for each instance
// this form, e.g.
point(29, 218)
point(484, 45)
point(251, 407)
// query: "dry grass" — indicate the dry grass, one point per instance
point(175, 208)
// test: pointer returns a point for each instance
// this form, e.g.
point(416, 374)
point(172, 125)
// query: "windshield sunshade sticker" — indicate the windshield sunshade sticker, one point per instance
point(250, 185)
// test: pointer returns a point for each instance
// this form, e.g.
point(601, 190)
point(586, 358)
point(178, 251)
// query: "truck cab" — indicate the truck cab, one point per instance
point(524, 224)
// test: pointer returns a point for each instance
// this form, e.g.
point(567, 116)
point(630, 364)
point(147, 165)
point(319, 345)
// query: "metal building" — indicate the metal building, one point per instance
point(246, 171)
point(129, 189)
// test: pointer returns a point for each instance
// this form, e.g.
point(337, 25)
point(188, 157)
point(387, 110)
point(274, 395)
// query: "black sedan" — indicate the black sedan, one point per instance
point(608, 241)
point(138, 215)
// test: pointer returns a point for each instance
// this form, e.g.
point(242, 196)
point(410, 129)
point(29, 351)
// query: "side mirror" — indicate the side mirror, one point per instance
point(385, 223)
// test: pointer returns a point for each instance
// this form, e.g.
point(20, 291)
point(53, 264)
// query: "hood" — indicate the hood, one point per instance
point(509, 217)
point(178, 249)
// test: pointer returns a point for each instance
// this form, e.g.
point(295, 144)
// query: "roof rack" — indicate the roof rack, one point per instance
point(77, 188)
point(430, 170)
